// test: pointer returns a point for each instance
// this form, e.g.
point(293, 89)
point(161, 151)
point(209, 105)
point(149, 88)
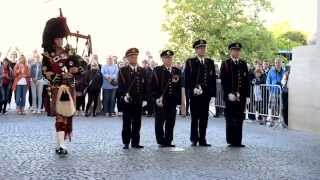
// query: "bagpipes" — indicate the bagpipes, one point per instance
point(77, 35)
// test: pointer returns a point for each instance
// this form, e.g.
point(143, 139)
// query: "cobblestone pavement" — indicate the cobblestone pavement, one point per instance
point(27, 152)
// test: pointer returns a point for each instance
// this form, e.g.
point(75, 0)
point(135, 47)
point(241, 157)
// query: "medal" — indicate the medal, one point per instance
point(238, 96)
point(175, 78)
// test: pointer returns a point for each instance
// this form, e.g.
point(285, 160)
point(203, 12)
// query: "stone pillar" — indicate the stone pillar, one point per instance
point(318, 23)
point(304, 86)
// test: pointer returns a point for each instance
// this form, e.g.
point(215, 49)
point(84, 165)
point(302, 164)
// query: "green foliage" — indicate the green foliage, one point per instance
point(220, 22)
point(291, 39)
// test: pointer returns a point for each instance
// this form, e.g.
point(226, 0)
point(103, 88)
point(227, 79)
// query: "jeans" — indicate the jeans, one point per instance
point(4, 90)
point(109, 96)
point(21, 92)
point(37, 89)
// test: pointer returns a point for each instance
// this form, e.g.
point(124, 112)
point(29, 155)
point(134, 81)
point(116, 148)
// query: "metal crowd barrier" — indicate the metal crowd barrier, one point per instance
point(265, 102)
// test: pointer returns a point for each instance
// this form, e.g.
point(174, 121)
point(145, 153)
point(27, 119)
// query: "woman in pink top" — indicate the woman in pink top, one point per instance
point(21, 82)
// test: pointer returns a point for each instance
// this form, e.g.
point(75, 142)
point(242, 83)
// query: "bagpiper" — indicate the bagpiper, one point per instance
point(59, 67)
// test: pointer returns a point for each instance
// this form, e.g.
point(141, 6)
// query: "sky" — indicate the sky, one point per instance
point(116, 25)
point(300, 14)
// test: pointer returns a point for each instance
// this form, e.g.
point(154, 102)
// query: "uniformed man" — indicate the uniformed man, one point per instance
point(59, 66)
point(132, 88)
point(200, 82)
point(235, 84)
point(166, 89)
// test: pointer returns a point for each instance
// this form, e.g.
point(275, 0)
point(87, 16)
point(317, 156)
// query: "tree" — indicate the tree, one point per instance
point(220, 22)
point(291, 39)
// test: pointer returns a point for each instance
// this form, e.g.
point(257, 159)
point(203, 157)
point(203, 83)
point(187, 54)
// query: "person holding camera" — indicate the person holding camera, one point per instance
point(93, 81)
point(274, 79)
point(109, 86)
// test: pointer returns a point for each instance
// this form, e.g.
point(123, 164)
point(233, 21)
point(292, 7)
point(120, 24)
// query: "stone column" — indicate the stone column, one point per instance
point(318, 23)
point(304, 85)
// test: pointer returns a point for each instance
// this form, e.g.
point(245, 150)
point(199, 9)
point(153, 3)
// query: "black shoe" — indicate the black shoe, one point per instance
point(94, 114)
point(240, 146)
point(194, 144)
point(137, 146)
point(170, 145)
point(237, 145)
point(204, 144)
point(162, 145)
point(61, 151)
point(126, 146)
point(87, 114)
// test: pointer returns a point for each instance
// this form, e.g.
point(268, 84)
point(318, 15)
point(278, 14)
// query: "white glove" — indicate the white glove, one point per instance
point(213, 101)
point(144, 103)
point(197, 91)
point(127, 98)
point(159, 102)
point(248, 101)
point(200, 91)
point(232, 97)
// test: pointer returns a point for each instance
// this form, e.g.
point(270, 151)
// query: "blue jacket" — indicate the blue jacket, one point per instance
point(274, 78)
point(109, 71)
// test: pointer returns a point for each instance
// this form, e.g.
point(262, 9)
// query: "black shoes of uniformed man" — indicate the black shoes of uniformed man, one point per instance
point(167, 145)
point(237, 145)
point(126, 146)
point(137, 146)
point(202, 144)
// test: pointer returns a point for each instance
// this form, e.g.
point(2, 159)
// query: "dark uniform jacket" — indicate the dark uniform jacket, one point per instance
point(200, 74)
point(235, 78)
point(133, 83)
point(167, 84)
